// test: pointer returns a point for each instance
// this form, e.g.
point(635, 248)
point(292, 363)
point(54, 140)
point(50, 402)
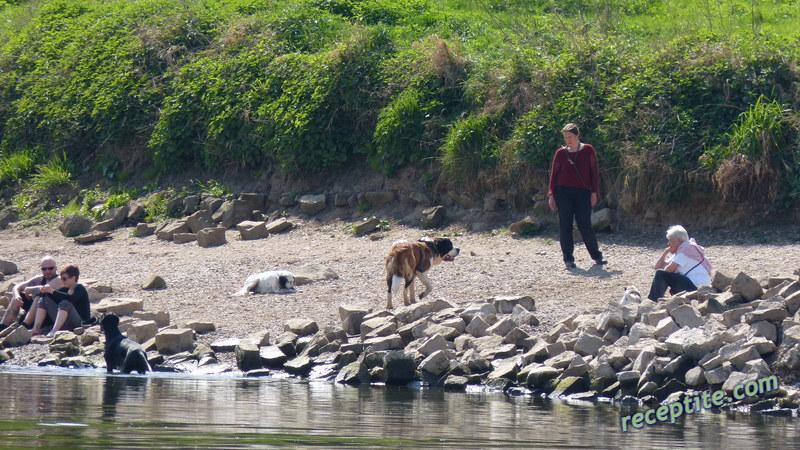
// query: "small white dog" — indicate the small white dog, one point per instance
point(632, 296)
point(272, 282)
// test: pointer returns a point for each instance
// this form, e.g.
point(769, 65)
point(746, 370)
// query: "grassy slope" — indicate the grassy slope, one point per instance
point(665, 90)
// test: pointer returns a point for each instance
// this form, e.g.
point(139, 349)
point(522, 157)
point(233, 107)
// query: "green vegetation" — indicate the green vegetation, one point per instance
point(675, 96)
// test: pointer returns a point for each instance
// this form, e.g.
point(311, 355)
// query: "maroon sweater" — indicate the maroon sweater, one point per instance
point(564, 174)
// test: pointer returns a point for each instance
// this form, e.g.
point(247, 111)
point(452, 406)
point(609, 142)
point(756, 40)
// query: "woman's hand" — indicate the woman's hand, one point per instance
point(551, 202)
point(594, 198)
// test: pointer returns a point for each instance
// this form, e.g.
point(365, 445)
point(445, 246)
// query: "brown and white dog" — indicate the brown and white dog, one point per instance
point(408, 260)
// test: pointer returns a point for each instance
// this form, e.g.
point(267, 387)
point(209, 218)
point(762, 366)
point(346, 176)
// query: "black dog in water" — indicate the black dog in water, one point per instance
point(120, 352)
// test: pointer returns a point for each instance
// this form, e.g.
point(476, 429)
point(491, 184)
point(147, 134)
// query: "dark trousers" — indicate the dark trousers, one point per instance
point(673, 280)
point(575, 203)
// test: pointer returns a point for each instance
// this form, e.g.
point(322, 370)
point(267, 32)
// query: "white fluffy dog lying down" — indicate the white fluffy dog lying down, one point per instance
point(272, 282)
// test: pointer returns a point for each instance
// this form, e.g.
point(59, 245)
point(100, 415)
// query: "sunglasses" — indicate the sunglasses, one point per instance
point(49, 268)
point(65, 278)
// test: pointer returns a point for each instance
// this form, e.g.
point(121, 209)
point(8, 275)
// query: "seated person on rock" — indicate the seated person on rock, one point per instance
point(27, 294)
point(67, 307)
point(682, 266)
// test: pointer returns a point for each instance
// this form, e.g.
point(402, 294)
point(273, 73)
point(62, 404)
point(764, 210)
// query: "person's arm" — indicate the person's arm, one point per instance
point(671, 267)
point(661, 262)
point(594, 176)
point(554, 168)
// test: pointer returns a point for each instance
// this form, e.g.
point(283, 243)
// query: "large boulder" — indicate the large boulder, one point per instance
point(398, 367)
point(75, 225)
point(211, 237)
point(748, 287)
point(173, 341)
point(7, 267)
point(232, 212)
point(312, 204)
point(251, 230)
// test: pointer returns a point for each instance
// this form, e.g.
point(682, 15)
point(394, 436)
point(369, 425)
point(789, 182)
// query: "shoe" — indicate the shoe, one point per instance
point(570, 264)
point(600, 262)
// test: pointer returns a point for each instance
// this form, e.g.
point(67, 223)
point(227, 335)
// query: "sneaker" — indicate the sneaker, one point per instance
point(600, 262)
point(570, 264)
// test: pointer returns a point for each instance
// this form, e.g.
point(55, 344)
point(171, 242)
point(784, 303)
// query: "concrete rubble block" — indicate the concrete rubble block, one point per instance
point(666, 327)
point(366, 226)
point(120, 306)
point(481, 309)
point(588, 344)
point(748, 287)
point(171, 341)
point(792, 302)
point(611, 317)
point(436, 363)
point(301, 327)
point(413, 312)
point(299, 365)
point(772, 311)
point(154, 281)
point(399, 368)
point(506, 304)
point(279, 225)
point(232, 212)
point(183, 238)
point(166, 230)
point(200, 327)
point(374, 323)
point(200, 220)
point(517, 336)
point(711, 361)
point(640, 331)
point(720, 374)
point(432, 344)
point(791, 337)
point(393, 342)
point(211, 237)
point(161, 318)
point(448, 333)
point(477, 327)
point(457, 323)
point(762, 345)
point(312, 204)
point(721, 280)
point(142, 330)
point(352, 316)
point(502, 327)
point(247, 356)
point(251, 230)
point(741, 357)
point(629, 377)
point(561, 361)
point(734, 316)
point(687, 316)
point(764, 329)
point(694, 342)
point(738, 379)
point(695, 377)
point(144, 229)
point(730, 299)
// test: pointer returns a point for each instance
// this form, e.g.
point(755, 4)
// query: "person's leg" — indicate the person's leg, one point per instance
point(663, 280)
point(46, 307)
point(583, 218)
point(565, 204)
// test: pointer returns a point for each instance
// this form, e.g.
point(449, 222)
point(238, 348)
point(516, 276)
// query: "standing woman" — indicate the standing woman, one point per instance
point(574, 189)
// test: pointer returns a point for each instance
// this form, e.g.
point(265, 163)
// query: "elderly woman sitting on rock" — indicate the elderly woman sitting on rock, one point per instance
point(681, 267)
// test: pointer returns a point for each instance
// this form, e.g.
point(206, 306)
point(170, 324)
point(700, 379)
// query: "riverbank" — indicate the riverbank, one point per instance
point(200, 281)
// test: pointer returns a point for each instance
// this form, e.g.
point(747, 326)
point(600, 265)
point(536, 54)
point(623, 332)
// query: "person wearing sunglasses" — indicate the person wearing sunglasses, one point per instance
point(67, 307)
point(27, 294)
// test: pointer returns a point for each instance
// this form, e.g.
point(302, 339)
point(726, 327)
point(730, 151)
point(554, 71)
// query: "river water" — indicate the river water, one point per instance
point(80, 408)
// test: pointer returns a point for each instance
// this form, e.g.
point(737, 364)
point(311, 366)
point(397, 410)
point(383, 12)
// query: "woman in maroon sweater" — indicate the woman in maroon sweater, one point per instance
point(573, 191)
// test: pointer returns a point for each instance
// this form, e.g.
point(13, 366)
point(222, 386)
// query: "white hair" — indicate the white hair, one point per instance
point(677, 232)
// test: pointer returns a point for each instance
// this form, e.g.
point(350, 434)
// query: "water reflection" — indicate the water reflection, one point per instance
point(89, 409)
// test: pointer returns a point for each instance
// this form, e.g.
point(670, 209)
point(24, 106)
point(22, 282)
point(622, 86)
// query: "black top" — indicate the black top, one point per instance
point(79, 299)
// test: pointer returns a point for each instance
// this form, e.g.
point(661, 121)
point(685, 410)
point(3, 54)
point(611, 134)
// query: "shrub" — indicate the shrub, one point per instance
point(16, 166)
